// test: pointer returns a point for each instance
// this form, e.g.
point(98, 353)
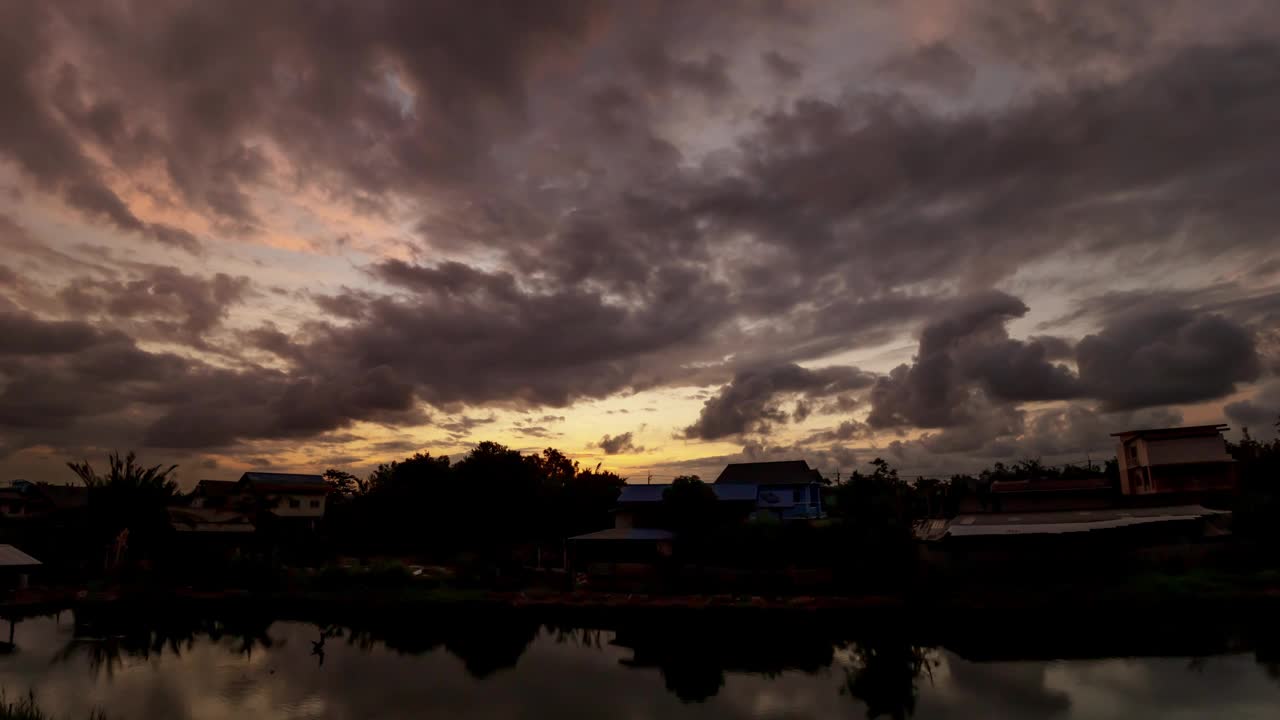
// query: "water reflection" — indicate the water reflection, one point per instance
point(509, 664)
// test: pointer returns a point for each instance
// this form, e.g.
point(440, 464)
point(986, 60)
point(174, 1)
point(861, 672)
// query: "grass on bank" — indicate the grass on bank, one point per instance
point(27, 709)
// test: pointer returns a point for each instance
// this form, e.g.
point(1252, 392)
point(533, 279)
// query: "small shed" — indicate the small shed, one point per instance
point(15, 567)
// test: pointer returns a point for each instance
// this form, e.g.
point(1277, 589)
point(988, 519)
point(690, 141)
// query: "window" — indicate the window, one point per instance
point(797, 495)
point(315, 503)
point(295, 503)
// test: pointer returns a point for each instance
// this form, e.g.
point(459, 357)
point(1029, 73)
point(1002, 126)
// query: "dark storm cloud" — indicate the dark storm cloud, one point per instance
point(881, 191)
point(177, 304)
point(620, 443)
point(1259, 413)
point(966, 349)
point(937, 66)
point(25, 334)
point(553, 141)
point(469, 336)
point(1166, 356)
point(749, 402)
point(65, 380)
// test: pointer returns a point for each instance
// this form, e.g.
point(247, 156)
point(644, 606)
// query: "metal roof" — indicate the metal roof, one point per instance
point(632, 534)
point(1187, 431)
point(641, 493)
point(736, 492)
point(785, 472)
point(271, 478)
point(11, 556)
point(653, 493)
point(1056, 523)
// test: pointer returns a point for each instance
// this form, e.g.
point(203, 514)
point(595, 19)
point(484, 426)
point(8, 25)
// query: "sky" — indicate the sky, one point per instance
point(660, 236)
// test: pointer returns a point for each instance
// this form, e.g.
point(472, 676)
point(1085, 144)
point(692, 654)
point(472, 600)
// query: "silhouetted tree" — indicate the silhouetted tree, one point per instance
point(689, 504)
point(127, 505)
point(884, 676)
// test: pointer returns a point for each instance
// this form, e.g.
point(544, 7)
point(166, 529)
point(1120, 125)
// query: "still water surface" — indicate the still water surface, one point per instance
point(514, 669)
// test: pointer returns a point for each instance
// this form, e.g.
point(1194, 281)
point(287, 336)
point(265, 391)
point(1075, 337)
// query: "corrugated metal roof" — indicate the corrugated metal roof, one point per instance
point(632, 534)
point(1055, 523)
point(11, 556)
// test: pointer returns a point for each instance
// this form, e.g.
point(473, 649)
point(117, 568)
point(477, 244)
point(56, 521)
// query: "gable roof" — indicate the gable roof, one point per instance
point(784, 472)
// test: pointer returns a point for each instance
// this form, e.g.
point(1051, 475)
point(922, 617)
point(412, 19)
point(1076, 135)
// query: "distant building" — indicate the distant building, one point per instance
point(784, 491)
point(15, 566)
point(1185, 460)
point(286, 496)
point(24, 500)
point(216, 494)
point(787, 490)
point(780, 491)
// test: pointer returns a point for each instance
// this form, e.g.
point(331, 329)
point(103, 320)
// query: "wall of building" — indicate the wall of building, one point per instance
point(1186, 450)
point(282, 506)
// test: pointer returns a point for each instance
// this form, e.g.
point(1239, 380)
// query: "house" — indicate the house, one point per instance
point(746, 491)
point(1189, 461)
point(15, 567)
point(216, 494)
point(286, 496)
point(785, 490)
point(640, 539)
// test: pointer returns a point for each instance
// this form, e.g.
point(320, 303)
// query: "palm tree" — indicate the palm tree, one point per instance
point(127, 503)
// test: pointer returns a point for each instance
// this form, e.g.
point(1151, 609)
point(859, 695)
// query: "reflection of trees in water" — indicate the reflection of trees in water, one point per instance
point(485, 643)
point(106, 640)
point(884, 675)
point(693, 659)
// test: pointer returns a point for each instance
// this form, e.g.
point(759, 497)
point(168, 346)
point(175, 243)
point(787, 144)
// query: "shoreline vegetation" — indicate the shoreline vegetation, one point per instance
point(400, 538)
point(26, 708)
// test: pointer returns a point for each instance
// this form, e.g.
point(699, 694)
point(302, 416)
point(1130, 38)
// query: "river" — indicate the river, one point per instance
point(509, 667)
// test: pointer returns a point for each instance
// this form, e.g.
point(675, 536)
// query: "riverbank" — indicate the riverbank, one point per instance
point(1201, 591)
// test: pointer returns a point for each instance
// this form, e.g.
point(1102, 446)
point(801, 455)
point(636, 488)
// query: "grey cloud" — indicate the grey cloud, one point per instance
point(844, 432)
point(1259, 413)
point(1166, 356)
point(968, 347)
point(618, 444)
point(782, 67)
point(937, 66)
point(161, 294)
point(747, 403)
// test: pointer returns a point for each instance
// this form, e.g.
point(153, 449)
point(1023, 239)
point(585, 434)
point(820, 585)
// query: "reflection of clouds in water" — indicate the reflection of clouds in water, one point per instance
point(1221, 686)
point(570, 680)
point(998, 690)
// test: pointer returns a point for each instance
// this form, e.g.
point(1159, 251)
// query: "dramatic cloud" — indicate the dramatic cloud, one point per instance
point(936, 65)
point(968, 348)
point(1260, 413)
point(1165, 357)
point(843, 228)
point(620, 443)
point(747, 403)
